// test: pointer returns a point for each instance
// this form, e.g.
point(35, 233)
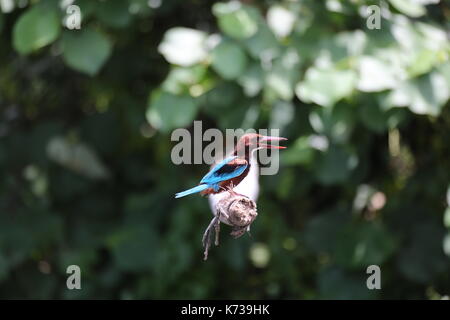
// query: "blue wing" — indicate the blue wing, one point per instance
point(223, 171)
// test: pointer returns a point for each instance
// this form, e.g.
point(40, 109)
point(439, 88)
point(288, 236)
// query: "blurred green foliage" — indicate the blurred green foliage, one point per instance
point(85, 123)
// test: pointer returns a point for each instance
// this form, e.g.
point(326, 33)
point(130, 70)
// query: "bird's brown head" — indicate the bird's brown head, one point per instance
point(252, 141)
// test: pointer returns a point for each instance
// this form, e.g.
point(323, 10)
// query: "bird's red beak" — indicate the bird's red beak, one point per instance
point(270, 139)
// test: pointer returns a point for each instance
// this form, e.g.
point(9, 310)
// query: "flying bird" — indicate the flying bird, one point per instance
point(232, 170)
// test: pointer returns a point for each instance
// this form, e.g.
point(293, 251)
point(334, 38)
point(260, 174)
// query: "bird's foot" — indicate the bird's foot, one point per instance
point(235, 194)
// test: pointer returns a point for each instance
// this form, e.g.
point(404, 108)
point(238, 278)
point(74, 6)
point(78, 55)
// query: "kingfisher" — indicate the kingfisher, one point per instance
point(232, 170)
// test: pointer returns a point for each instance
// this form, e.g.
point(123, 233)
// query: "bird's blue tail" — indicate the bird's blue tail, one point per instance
point(192, 190)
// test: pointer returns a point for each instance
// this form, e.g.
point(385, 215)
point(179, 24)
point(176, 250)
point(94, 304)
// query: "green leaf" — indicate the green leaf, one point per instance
point(236, 20)
point(322, 230)
point(85, 258)
point(336, 123)
point(263, 44)
point(167, 111)
point(220, 98)
point(252, 80)
point(299, 153)
point(325, 86)
point(114, 13)
point(129, 244)
point(38, 27)
point(424, 247)
point(421, 46)
point(226, 99)
point(181, 79)
point(337, 284)
point(373, 117)
point(364, 244)
point(424, 61)
point(86, 50)
point(87, 8)
point(229, 60)
point(335, 165)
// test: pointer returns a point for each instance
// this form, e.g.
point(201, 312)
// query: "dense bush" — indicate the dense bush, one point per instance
point(86, 175)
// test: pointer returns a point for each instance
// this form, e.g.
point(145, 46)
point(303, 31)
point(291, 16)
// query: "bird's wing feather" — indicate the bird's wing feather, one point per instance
point(229, 168)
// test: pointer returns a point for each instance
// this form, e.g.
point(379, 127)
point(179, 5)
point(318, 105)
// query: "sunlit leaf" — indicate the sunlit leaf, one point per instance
point(412, 8)
point(236, 20)
point(375, 75)
point(447, 217)
point(280, 20)
point(425, 60)
point(424, 95)
point(182, 79)
point(325, 87)
point(183, 46)
point(37, 27)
